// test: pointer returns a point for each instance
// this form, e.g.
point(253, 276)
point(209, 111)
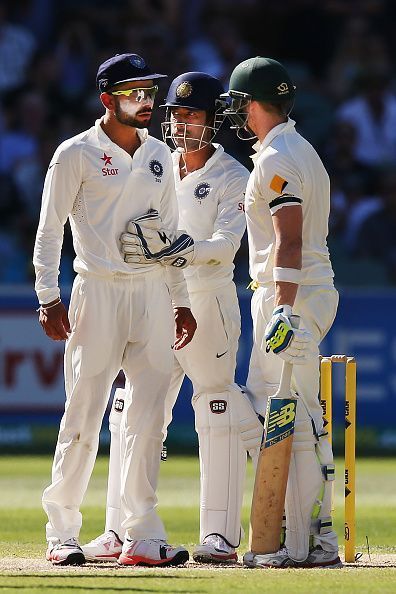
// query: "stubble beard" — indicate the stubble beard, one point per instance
point(130, 120)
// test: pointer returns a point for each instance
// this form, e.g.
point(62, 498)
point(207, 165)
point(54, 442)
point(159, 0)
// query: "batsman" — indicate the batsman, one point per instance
point(287, 207)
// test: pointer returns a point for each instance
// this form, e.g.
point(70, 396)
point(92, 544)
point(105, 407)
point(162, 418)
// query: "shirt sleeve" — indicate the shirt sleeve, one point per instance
point(61, 186)
point(229, 226)
point(170, 216)
point(279, 181)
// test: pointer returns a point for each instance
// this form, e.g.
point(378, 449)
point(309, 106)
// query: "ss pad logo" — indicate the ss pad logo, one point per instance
point(119, 405)
point(218, 406)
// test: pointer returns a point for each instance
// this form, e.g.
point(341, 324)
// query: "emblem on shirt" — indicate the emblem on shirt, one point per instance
point(137, 61)
point(184, 89)
point(278, 184)
point(202, 191)
point(156, 169)
point(108, 170)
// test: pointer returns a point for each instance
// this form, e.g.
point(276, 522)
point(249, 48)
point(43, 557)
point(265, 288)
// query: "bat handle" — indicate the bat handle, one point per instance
point(287, 368)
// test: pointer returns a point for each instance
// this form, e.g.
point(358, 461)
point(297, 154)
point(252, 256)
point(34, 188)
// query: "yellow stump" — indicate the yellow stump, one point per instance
point(325, 395)
point(350, 440)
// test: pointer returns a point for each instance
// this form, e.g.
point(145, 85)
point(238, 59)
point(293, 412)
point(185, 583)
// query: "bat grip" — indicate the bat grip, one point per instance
point(287, 368)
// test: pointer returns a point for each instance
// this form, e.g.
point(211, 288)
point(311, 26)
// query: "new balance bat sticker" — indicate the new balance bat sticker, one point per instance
point(273, 468)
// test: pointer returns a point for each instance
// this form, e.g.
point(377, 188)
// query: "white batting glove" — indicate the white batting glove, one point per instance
point(145, 236)
point(291, 344)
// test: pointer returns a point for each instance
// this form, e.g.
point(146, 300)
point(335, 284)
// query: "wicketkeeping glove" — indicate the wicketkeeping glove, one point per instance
point(291, 344)
point(147, 241)
point(144, 237)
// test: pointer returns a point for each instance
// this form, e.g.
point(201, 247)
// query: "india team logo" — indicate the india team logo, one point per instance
point(202, 191)
point(137, 61)
point(156, 169)
point(184, 89)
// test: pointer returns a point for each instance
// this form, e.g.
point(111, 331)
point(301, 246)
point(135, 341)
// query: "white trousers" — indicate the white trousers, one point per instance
point(122, 322)
point(317, 307)
point(209, 360)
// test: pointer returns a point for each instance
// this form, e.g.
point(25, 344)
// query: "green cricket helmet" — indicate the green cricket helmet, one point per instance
point(257, 79)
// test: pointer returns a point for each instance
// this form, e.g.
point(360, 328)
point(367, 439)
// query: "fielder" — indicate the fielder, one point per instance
point(210, 185)
point(120, 313)
point(287, 208)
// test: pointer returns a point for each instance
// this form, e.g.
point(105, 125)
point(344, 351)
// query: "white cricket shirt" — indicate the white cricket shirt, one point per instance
point(211, 210)
point(100, 187)
point(288, 171)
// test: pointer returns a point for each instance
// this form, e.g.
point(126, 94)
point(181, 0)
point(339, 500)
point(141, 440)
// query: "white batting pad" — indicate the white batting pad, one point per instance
point(303, 486)
point(227, 427)
point(322, 529)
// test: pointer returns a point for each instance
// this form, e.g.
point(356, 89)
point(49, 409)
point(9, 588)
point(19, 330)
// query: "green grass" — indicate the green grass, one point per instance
point(22, 480)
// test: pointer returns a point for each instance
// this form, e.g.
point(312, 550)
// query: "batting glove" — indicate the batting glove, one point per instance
point(291, 344)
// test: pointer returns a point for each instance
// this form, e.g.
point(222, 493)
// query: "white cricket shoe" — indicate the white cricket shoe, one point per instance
point(106, 547)
point(280, 559)
point(65, 553)
point(152, 552)
point(214, 549)
point(318, 557)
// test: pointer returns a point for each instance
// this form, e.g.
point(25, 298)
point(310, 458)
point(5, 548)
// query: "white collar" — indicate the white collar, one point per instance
point(279, 129)
point(104, 139)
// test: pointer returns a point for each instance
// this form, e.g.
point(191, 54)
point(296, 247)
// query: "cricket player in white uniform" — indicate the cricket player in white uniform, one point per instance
point(287, 208)
point(120, 313)
point(210, 186)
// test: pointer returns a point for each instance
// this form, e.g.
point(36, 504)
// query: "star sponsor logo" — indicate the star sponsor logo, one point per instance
point(108, 170)
point(107, 159)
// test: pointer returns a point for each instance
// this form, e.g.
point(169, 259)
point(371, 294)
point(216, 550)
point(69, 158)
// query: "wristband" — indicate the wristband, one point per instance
point(42, 307)
point(286, 275)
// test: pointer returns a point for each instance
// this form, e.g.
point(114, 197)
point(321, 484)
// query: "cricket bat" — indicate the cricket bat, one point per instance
point(273, 468)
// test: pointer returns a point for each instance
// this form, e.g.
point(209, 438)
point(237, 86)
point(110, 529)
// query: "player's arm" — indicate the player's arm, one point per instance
point(229, 226)
point(287, 223)
point(185, 324)
point(61, 186)
point(282, 188)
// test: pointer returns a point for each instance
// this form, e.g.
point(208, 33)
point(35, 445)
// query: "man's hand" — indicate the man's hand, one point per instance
point(145, 237)
point(185, 327)
point(54, 320)
point(284, 340)
point(147, 241)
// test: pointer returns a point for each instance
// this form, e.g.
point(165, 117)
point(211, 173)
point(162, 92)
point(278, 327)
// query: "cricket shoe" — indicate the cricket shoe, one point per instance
point(214, 549)
point(151, 553)
point(280, 560)
point(106, 547)
point(320, 558)
point(65, 553)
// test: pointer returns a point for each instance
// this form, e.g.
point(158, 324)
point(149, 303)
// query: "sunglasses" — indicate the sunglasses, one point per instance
point(139, 94)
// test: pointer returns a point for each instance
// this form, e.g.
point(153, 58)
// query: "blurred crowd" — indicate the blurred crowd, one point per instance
point(340, 55)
